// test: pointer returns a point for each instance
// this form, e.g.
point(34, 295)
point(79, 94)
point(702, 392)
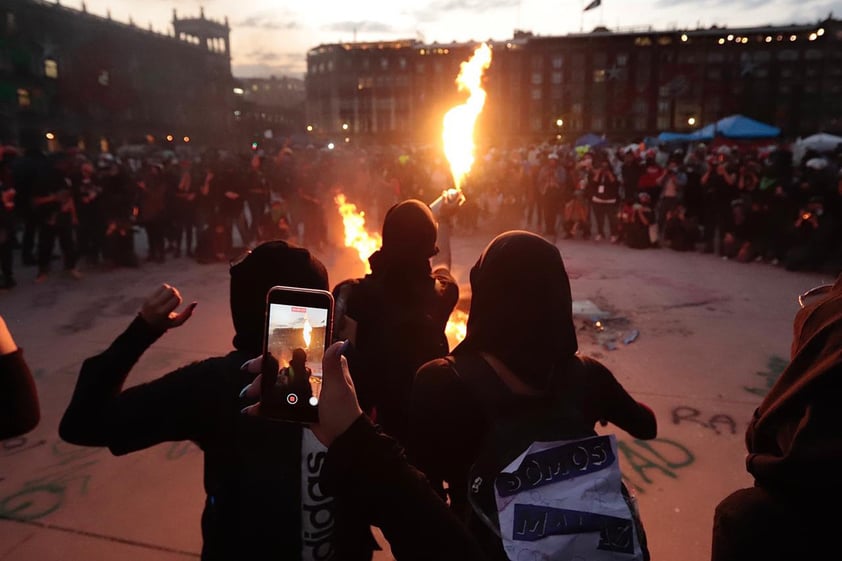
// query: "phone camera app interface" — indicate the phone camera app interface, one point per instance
point(297, 341)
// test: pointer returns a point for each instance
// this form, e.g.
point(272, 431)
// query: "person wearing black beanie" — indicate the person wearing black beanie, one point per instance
point(261, 502)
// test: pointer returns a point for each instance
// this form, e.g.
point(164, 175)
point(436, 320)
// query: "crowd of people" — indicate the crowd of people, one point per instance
point(746, 203)
point(404, 420)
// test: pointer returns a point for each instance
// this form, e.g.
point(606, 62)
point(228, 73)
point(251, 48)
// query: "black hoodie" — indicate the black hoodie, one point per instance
point(257, 473)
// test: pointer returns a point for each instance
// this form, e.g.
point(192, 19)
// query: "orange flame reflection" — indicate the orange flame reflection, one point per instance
point(307, 332)
point(457, 328)
point(356, 235)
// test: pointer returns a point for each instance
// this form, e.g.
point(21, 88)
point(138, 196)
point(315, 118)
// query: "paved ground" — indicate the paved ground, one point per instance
point(713, 336)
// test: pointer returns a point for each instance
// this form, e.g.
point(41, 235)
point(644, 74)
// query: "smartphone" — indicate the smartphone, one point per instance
point(298, 329)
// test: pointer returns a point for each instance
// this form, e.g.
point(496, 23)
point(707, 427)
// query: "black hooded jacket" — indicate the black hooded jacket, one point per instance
point(521, 315)
point(253, 467)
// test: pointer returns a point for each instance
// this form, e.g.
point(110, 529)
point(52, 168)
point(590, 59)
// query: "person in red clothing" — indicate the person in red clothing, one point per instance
point(794, 445)
point(521, 340)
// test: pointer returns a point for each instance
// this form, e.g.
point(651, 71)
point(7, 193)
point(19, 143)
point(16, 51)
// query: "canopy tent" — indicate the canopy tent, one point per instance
point(736, 127)
point(592, 140)
point(667, 137)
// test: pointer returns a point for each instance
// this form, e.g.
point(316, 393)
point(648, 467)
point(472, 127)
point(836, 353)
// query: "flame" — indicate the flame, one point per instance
point(308, 333)
point(356, 235)
point(458, 134)
point(457, 327)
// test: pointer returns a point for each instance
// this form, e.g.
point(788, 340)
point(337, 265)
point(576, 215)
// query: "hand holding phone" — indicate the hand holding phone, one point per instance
point(298, 326)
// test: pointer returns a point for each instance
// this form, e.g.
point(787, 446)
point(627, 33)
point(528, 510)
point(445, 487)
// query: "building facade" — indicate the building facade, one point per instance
point(626, 85)
point(88, 81)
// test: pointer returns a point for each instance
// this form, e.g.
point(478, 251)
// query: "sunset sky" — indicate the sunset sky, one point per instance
point(272, 37)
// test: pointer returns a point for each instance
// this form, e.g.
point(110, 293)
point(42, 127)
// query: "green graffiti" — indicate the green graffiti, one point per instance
point(178, 450)
point(642, 456)
point(775, 367)
point(40, 497)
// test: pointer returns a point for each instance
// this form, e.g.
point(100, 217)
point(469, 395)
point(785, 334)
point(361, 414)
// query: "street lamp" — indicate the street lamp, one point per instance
point(309, 128)
point(559, 123)
point(344, 126)
point(691, 121)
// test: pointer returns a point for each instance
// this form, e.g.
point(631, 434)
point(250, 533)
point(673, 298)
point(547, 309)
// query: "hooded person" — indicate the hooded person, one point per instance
point(395, 317)
point(261, 503)
point(794, 446)
point(521, 354)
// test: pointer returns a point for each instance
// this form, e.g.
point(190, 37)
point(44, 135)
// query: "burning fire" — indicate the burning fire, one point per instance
point(458, 134)
point(356, 235)
point(457, 327)
point(308, 333)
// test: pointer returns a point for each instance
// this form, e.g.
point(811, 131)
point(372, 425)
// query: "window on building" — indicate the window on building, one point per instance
point(577, 75)
point(10, 22)
point(664, 123)
point(788, 54)
point(537, 124)
point(640, 107)
point(50, 68)
point(365, 64)
point(555, 78)
point(622, 59)
point(716, 56)
point(24, 100)
point(556, 92)
point(438, 67)
point(104, 78)
point(576, 108)
point(813, 54)
point(762, 56)
point(642, 41)
point(402, 63)
point(664, 40)
point(330, 66)
point(537, 62)
point(420, 68)
point(599, 76)
point(537, 78)
point(557, 62)
point(640, 124)
point(536, 93)
point(597, 123)
point(664, 106)
point(384, 63)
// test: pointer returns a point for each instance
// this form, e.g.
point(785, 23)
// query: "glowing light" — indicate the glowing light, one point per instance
point(169, 138)
point(356, 236)
point(457, 327)
point(730, 37)
point(458, 133)
point(820, 31)
point(50, 136)
point(559, 122)
point(331, 146)
point(691, 121)
point(793, 37)
point(768, 38)
point(186, 139)
point(307, 332)
point(722, 41)
point(309, 128)
point(239, 91)
point(813, 36)
point(684, 37)
point(344, 126)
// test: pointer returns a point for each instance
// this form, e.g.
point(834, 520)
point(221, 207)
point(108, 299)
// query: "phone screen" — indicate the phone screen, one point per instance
point(298, 328)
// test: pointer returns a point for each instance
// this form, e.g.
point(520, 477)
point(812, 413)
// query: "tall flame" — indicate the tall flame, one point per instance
point(457, 327)
point(307, 332)
point(356, 235)
point(458, 134)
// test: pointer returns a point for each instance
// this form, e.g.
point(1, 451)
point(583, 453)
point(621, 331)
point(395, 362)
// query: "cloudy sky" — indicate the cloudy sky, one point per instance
point(272, 37)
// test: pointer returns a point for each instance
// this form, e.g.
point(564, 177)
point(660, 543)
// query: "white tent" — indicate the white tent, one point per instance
point(821, 142)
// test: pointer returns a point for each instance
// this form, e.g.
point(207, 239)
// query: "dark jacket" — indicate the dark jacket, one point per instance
point(252, 468)
point(19, 409)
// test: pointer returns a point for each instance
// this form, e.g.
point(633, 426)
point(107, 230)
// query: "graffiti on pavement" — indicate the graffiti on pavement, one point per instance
point(661, 454)
point(718, 423)
point(774, 368)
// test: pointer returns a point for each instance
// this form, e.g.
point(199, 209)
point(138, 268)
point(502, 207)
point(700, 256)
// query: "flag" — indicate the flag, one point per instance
point(592, 5)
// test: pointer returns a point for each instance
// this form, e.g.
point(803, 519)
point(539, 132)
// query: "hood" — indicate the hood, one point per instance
point(794, 435)
point(521, 307)
point(274, 263)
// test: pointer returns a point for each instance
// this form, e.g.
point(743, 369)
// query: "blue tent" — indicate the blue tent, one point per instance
point(737, 127)
point(590, 139)
point(666, 137)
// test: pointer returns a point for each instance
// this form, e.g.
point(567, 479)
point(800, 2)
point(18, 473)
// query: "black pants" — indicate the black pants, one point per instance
point(183, 222)
point(155, 231)
point(91, 233)
point(7, 243)
point(30, 227)
point(47, 234)
point(257, 208)
point(605, 212)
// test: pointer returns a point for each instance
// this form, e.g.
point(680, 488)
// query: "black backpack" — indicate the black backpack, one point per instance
point(559, 454)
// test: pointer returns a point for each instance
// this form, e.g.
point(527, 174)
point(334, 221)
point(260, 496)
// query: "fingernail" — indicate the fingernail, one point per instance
point(244, 390)
point(243, 411)
point(343, 350)
point(245, 365)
